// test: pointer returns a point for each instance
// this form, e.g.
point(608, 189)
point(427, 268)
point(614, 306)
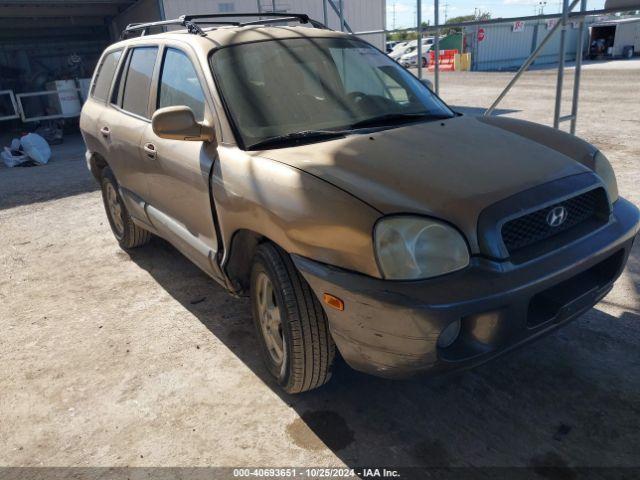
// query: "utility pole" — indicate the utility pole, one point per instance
point(436, 46)
point(446, 7)
point(394, 16)
point(419, 25)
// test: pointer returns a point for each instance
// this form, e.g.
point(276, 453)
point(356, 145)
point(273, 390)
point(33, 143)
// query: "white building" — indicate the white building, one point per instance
point(360, 15)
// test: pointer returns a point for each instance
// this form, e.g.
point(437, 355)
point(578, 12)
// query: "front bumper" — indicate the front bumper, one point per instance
point(391, 328)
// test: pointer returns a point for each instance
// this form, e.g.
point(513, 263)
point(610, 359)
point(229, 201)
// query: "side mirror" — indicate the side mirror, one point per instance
point(179, 123)
point(427, 83)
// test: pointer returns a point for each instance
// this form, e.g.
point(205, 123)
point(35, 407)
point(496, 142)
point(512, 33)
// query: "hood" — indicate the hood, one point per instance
point(451, 170)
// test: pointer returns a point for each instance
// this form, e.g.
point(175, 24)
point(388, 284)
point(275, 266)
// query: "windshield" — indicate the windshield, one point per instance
point(277, 88)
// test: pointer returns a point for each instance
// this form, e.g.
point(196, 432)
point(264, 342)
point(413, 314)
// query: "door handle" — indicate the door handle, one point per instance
point(105, 131)
point(150, 150)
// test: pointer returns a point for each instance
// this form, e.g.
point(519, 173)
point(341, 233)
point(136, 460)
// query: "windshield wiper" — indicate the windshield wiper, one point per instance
point(390, 118)
point(296, 137)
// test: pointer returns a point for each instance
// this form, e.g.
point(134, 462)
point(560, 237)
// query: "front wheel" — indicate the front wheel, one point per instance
point(291, 324)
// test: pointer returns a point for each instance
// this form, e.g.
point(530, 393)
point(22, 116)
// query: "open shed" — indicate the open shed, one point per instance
point(615, 38)
point(51, 46)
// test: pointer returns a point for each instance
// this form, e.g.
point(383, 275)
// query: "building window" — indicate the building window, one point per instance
point(227, 7)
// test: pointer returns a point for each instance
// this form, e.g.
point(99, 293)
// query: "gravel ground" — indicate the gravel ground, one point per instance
point(116, 360)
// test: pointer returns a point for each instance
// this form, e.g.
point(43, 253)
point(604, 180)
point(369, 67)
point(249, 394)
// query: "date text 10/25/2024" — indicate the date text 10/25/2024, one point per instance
point(316, 472)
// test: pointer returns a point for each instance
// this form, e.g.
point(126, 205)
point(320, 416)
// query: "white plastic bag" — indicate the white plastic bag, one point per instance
point(36, 148)
point(11, 160)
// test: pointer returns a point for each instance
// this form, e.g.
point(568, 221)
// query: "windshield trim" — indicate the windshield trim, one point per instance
point(229, 117)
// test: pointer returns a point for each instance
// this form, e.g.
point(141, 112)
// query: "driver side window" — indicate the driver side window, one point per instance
point(179, 84)
point(362, 70)
point(355, 72)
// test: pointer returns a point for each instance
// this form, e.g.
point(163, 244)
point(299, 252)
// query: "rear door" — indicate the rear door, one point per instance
point(95, 105)
point(123, 123)
point(178, 180)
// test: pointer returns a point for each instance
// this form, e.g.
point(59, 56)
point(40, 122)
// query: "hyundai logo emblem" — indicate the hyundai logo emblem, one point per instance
point(557, 216)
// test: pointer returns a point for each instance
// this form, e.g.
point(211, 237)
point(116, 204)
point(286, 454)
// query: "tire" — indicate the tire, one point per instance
point(307, 349)
point(424, 62)
point(128, 234)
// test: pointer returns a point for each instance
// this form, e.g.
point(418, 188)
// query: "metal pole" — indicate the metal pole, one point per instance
point(325, 13)
point(273, 6)
point(527, 64)
point(419, 38)
point(436, 46)
point(561, 55)
point(341, 15)
point(578, 70)
point(346, 24)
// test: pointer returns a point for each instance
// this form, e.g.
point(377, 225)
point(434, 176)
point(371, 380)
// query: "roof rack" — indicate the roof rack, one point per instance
point(189, 21)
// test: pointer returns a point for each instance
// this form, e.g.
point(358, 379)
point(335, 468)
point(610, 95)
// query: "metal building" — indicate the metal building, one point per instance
point(505, 46)
point(358, 14)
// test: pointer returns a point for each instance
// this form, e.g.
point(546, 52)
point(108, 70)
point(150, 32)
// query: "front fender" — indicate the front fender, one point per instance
point(301, 213)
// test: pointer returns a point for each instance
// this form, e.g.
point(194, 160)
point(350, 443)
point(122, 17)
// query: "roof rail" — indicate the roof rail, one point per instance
point(192, 21)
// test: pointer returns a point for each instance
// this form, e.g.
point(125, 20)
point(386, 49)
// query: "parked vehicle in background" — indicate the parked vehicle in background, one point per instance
point(615, 38)
point(410, 48)
point(402, 48)
point(390, 46)
point(307, 170)
point(411, 59)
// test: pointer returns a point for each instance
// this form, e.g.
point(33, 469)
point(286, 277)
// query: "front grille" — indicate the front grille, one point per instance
point(533, 227)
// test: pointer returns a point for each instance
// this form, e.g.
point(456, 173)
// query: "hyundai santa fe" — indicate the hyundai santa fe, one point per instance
point(363, 217)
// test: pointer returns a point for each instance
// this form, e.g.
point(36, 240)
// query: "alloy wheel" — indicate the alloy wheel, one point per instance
point(270, 318)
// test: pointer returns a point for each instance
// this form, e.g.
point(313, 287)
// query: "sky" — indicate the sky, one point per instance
point(405, 10)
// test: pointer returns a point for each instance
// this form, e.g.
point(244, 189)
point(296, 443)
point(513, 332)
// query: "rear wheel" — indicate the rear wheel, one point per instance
point(128, 234)
point(291, 324)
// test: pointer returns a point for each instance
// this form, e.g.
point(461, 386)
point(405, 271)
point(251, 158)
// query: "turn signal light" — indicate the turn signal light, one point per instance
point(333, 301)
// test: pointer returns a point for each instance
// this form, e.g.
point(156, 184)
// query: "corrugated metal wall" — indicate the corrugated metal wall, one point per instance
point(360, 14)
point(142, 11)
point(504, 49)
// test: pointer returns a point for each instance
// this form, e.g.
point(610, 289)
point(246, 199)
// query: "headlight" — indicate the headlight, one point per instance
point(410, 247)
point(602, 168)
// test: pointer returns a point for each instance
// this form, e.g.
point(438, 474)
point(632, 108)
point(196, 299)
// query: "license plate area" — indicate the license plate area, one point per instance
point(580, 291)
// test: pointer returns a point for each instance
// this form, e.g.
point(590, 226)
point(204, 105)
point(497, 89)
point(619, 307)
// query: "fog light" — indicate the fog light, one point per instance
point(449, 334)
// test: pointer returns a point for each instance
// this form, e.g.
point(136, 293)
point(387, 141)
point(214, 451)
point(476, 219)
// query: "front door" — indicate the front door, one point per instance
point(178, 183)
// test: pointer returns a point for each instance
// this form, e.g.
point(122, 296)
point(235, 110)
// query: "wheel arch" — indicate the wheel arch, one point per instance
point(243, 245)
point(97, 163)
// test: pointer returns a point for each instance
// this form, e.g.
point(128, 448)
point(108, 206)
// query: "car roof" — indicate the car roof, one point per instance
point(233, 35)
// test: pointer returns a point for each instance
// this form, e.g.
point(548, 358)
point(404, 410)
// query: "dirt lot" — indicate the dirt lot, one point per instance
point(112, 360)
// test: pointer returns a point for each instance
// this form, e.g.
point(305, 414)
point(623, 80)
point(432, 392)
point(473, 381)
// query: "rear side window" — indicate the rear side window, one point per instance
point(135, 98)
point(105, 75)
point(179, 84)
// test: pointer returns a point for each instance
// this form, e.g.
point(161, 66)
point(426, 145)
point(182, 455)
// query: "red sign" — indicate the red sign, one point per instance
point(480, 34)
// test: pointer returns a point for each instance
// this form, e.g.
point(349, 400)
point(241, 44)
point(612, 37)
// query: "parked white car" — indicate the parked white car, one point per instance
point(411, 59)
point(401, 49)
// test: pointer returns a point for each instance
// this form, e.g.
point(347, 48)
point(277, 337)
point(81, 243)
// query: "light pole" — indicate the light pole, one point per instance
point(541, 6)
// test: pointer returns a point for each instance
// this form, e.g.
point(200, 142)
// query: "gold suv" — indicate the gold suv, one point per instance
point(303, 167)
